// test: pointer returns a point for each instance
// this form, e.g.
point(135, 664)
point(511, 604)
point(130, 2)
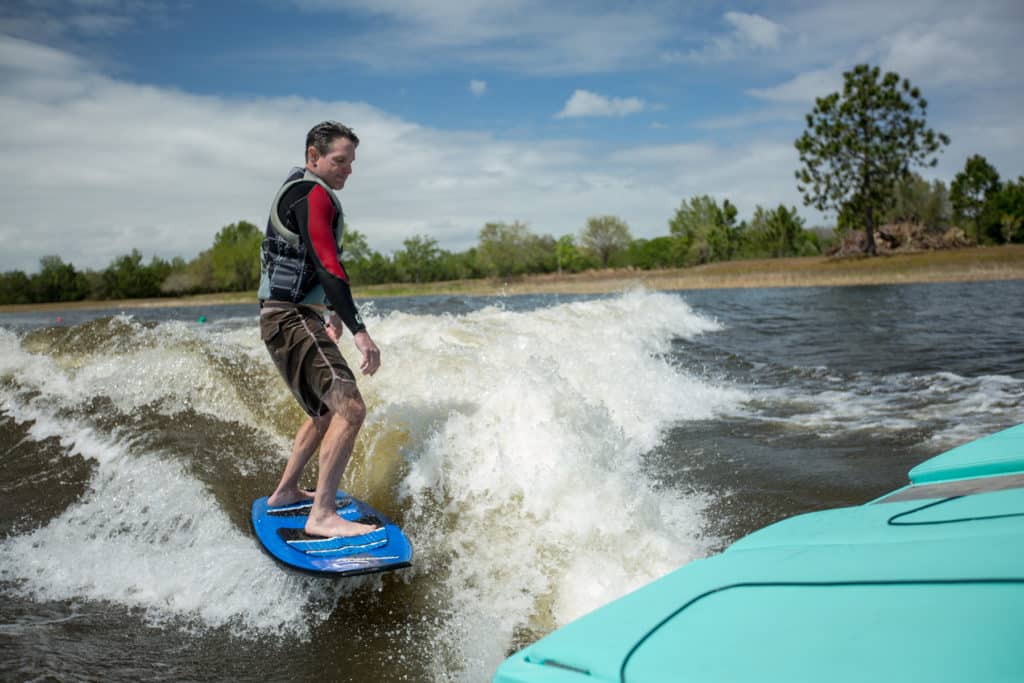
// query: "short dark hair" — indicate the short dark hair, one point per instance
point(324, 133)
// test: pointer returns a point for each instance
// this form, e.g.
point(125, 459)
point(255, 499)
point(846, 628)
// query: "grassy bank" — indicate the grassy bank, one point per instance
point(960, 265)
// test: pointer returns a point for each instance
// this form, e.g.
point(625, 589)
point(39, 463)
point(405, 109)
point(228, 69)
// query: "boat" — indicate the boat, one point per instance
point(925, 583)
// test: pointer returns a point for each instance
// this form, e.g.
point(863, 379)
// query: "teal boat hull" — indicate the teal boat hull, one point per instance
point(924, 583)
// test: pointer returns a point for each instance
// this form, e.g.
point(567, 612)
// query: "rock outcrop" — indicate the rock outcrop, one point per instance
point(899, 238)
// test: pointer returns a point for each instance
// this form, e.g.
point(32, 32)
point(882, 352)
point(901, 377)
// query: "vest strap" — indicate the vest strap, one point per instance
point(275, 217)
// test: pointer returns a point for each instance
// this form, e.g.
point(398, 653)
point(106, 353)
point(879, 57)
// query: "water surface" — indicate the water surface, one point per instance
point(546, 454)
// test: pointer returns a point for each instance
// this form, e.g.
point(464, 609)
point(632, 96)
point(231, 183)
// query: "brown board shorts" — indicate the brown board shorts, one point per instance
point(307, 359)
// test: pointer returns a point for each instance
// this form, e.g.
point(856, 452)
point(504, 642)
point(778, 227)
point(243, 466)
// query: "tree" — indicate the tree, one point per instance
point(235, 257)
point(127, 278)
point(363, 264)
point(355, 246)
point(374, 270)
point(178, 281)
point(58, 281)
point(418, 257)
point(604, 237)
point(568, 256)
point(706, 231)
point(660, 252)
point(15, 288)
point(511, 249)
point(1009, 207)
point(453, 266)
point(541, 256)
point(972, 193)
point(860, 143)
point(200, 272)
point(915, 200)
point(725, 239)
point(779, 232)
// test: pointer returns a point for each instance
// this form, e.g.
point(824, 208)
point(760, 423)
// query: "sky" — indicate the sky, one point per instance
point(129, 124)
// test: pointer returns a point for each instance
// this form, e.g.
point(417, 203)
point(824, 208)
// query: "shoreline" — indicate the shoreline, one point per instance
point(976, 264)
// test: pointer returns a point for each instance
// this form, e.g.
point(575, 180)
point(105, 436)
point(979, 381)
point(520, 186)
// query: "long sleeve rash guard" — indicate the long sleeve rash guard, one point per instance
point(317, 233)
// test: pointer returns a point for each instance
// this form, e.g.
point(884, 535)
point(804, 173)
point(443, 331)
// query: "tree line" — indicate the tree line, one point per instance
point(856, 156)
point(231, 264)
point(701, 231)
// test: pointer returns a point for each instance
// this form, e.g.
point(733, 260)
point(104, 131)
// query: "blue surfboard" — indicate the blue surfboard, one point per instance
point(280, 531)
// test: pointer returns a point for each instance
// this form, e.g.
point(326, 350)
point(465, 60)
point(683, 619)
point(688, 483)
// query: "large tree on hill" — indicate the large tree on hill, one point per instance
point(861, 142)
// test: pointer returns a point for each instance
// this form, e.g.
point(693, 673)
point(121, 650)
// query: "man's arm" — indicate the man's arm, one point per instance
point(320, 242)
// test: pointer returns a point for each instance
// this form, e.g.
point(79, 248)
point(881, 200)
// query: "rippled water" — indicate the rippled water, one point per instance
point(545, 454)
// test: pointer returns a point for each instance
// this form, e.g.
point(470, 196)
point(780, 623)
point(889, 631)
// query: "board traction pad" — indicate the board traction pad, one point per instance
point(302, 509)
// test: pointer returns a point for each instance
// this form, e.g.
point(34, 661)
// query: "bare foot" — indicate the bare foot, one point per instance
point(333, 526)
point(283, 497)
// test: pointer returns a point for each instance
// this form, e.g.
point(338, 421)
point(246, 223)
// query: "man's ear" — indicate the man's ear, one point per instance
point(311, 154)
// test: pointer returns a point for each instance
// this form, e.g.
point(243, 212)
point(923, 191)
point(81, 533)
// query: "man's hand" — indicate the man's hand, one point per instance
point(371, 354)
point(334, 327)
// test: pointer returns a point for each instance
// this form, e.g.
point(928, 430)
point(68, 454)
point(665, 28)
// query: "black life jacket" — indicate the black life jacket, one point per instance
point(287, 272)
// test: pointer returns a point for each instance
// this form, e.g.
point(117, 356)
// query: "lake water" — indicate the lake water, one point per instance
point(546, 454)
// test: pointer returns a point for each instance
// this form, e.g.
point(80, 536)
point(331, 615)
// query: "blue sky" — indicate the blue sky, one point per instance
point(132, 124)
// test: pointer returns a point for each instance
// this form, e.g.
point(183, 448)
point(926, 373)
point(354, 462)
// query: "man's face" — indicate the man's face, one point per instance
point(335, 166)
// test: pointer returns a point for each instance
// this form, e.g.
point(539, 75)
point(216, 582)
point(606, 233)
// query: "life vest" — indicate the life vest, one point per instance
point(286, 271)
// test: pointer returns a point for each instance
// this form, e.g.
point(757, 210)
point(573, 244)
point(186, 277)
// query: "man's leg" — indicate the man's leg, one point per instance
point(347, 414)
point(306, 441)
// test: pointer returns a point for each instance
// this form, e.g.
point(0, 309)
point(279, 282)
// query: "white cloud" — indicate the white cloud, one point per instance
point(750, 32)
point(948, 53)
point(802, 88)
point(69, 21)
point(586, 103)
point(750, 119)
point(931, 42)
point(533, 36)
point(945, 55)
point(478, 88)
point(30, 58)
point(755, 30)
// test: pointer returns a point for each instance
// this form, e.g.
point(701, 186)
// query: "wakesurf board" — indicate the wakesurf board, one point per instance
point(280, 531)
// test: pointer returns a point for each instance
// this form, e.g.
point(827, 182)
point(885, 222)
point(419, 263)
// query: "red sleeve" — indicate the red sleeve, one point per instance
point(321, 234)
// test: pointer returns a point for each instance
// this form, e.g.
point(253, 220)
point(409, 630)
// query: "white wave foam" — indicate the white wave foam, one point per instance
point(956, 408)
point(172, 366)
point(525, 492)
point(523, 486)
point(146, 535)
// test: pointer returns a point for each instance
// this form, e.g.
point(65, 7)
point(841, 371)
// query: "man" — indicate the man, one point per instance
point(301, 272)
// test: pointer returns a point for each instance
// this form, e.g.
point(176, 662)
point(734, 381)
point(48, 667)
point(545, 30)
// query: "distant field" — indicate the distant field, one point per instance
point(959, 265)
